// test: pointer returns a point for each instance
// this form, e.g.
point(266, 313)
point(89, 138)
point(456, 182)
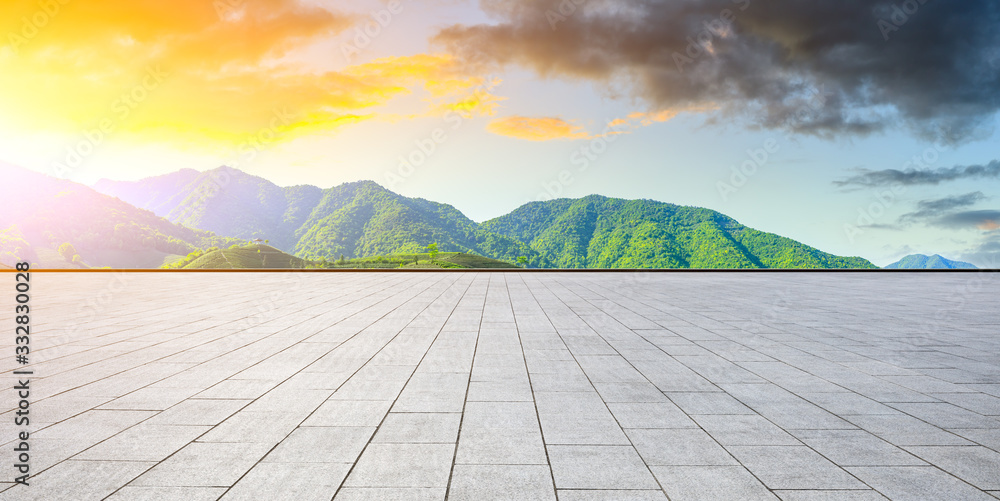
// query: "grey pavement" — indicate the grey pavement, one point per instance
point(477, 386)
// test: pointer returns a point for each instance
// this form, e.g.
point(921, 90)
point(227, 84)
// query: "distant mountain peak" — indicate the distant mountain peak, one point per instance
point(924, 262)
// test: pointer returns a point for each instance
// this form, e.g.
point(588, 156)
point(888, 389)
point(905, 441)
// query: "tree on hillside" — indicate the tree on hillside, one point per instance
point(67, 251)
point(432, 250)
point(522, 261)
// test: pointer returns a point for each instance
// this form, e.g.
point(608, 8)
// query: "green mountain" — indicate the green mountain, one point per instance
point(935, 262)
point(160, 194)
point(354, 219)
point(363, 219)
point(41, 213)
point(225, 201)
point(601, 232)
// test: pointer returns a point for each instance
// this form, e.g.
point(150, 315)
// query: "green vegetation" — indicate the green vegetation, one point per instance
point(267, 257)
point(57, 211)
point(440, 260)
point(67, 251)
point(364, 219)
point(14, 248)
point(354, 219)
point(600, 232)
point(239, 257)
point(224, 200)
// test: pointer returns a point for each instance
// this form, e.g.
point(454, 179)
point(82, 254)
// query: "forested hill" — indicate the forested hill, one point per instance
point(40, 213)
point(362, 219)
point(601, 232)
point(226, 201)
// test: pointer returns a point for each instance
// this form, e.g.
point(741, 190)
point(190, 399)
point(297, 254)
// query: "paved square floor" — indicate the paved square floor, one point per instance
point(475, 386)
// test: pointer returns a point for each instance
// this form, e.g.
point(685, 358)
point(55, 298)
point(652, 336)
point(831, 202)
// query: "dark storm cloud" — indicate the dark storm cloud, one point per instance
point(934, 69)
point(931, 209)
point(892, 177)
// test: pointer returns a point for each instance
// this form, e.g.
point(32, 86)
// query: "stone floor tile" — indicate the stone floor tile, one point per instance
point(403, 465)
point(599, 467)
point(501, 482)
point(711, 483)
point(793, 467)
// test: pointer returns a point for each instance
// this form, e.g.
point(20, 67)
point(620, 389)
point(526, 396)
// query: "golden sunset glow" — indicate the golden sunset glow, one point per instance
point(196, 73)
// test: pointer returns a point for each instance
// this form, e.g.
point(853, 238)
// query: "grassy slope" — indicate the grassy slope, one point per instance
point(442, 260)
point(248, 257)
point(267, 257)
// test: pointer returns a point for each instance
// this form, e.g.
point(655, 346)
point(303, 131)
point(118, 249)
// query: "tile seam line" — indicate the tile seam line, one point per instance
point(343, 482)
point(468, 385)
point(213, 427)
point(844, 469)
point(589, 380)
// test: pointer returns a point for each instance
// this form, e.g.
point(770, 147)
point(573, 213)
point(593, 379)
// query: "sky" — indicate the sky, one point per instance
point(861, 127)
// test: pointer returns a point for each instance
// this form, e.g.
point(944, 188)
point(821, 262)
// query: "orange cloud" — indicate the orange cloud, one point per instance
point(537, 129)
point(989, 225)
point(221, 71)
point(645, 119)
point(547, 129)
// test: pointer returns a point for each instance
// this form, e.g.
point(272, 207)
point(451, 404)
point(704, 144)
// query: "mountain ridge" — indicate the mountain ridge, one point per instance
point(363, 218)
point(105, 231)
